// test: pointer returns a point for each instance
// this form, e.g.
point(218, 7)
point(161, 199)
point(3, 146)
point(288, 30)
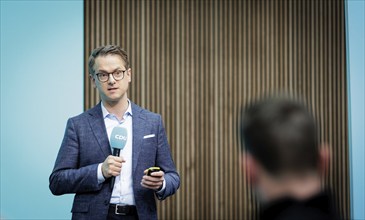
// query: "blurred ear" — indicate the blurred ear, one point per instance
point(249, 167)
point(324, 158)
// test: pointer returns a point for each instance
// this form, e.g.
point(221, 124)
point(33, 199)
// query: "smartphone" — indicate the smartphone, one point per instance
point(152, 169)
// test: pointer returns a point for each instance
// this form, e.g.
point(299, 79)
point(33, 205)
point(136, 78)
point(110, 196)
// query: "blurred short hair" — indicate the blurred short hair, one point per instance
point(104, 51)
point(281, 135)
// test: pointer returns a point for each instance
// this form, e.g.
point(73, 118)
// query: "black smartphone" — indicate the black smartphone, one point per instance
point(152, 169)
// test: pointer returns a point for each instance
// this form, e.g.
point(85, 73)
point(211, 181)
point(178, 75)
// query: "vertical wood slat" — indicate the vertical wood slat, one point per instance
point(198, 62)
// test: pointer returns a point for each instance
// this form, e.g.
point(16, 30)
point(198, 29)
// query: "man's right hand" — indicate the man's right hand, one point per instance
point(112, 166)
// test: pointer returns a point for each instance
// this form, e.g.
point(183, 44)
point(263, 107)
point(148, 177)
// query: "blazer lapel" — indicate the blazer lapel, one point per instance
point(137, 124)
point(97, 125)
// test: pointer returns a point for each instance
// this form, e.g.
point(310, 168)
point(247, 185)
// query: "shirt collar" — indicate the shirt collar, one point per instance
point(106, 113)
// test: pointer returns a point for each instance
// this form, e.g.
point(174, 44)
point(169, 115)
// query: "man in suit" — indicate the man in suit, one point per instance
point(84, 164)
point(284, 162)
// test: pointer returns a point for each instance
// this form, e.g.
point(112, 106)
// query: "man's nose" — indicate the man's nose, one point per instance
point(111, 79)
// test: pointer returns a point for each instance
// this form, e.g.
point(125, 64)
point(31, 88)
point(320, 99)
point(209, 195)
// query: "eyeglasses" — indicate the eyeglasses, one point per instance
point(117, 75)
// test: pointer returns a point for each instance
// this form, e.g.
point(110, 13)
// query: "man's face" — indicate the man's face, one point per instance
point(111, 91)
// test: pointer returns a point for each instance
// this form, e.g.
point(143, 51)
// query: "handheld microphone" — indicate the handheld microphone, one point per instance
point(118, 140)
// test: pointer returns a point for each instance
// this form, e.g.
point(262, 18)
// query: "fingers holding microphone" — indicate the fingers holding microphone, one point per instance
point(112, 166)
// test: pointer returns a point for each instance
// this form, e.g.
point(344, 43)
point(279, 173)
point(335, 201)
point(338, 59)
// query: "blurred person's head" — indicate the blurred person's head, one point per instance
point(281, 150)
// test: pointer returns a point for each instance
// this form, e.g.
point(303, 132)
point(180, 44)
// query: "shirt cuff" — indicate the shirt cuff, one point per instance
point(101, 178)
point(162, 190)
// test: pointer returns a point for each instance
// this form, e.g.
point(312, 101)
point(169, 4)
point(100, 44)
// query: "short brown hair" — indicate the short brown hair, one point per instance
point(281, 134)
point(107, 50)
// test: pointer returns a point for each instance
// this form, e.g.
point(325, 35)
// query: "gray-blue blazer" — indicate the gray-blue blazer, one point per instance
point(85, 145)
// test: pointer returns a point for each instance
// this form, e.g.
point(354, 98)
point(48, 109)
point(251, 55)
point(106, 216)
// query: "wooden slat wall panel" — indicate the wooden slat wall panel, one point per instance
point(198, 62)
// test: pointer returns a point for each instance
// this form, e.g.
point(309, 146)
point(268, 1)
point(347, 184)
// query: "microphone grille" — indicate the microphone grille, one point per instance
point(118, 138)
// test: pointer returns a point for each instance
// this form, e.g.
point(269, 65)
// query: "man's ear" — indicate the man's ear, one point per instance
point(249, 167)
point(129, 74)
point(92, 80)
point(324, 158)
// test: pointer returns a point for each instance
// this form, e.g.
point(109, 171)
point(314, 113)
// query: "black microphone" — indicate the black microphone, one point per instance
point(118, 140)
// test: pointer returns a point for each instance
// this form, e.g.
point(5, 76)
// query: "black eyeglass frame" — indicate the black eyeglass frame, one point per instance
point(115, 72)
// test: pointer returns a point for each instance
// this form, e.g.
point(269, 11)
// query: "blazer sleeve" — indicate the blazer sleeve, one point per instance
point(165, 162)
point(68, 176)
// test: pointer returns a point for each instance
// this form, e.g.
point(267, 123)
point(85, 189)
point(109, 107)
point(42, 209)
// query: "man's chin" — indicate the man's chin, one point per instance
point(111, 100)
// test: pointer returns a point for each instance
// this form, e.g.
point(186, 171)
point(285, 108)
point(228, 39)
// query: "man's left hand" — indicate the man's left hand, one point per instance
point(154, 181)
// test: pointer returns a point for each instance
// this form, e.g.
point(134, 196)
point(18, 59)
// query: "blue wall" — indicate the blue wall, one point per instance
point(41, 86)
point(356, 89)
